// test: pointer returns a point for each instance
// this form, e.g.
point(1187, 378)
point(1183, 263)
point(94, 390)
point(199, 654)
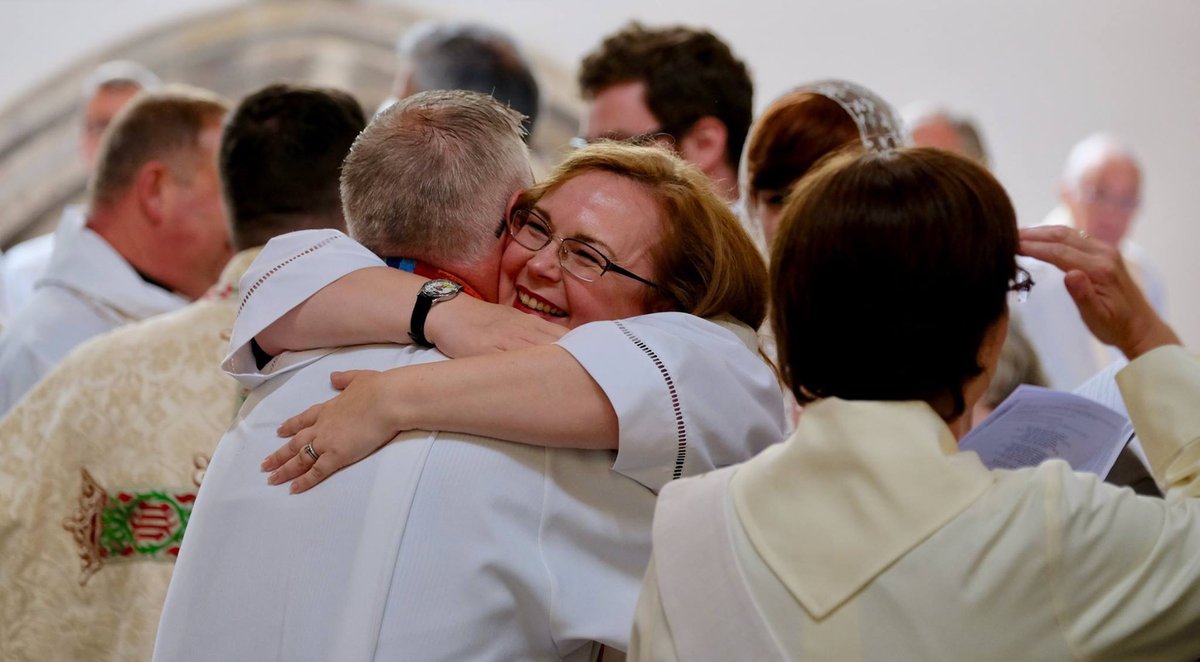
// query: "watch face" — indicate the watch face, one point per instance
point(440, 288)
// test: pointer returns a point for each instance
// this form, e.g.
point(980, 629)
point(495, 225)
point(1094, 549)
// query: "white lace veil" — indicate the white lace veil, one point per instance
point(879, 126)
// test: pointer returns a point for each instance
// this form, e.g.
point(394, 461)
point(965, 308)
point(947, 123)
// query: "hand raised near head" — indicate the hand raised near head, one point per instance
point(1109, 301)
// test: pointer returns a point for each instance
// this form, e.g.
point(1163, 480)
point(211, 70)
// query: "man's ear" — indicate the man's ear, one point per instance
point(512, 202)
point(704, 143)
point(151, 190)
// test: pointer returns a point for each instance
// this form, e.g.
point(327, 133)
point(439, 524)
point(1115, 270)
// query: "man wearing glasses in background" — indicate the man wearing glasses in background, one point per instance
point(676, 84)
point(1100, 193)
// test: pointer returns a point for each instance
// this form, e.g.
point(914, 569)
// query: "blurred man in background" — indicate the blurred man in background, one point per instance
point(934, 126)
point(676, 84)
point(155, 237)
point(444, 55)
point(105, 92)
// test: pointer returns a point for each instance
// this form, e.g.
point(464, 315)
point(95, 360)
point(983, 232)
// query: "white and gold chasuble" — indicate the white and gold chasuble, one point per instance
point(101, 465)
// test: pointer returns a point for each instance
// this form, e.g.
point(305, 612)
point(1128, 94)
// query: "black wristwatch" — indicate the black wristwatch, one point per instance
point(435, 291)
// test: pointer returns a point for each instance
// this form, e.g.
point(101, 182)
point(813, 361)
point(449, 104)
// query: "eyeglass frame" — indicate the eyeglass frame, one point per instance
point(1021, 286)
point(609, 265)
point(1097, 196)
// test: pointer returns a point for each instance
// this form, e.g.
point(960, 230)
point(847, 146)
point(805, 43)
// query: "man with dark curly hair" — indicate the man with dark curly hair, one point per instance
point(680, 85)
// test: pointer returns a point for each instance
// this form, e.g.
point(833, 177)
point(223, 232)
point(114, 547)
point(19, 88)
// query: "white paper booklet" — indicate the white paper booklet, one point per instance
point(1037, 424)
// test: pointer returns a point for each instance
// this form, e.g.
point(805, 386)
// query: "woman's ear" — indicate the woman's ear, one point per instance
point(704, 144)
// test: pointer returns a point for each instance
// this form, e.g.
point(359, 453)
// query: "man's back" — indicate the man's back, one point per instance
point(466, 548)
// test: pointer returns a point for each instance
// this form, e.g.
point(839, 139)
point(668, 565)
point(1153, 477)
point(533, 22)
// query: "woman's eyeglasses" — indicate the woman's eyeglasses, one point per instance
point(577, 257)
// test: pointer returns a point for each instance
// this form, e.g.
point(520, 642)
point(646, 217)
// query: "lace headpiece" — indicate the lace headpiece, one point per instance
point(878, 124)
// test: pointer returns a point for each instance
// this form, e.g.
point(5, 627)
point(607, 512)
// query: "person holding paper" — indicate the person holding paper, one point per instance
point(867, 534)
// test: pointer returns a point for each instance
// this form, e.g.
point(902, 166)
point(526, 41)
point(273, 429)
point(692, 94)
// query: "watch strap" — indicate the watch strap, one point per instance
point(416, 324)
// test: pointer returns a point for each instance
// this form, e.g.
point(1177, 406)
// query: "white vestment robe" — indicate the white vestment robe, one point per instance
point(446, 546)
point(87, 289)
point(28, 260)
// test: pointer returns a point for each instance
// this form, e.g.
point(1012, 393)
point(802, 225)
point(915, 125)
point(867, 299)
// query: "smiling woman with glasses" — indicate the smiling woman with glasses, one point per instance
point(641, 213)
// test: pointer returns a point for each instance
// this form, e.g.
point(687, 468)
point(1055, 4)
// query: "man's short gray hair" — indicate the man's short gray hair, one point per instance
point(119, 74)
point(430, 177)
point(1092, 151)
point(470, 56)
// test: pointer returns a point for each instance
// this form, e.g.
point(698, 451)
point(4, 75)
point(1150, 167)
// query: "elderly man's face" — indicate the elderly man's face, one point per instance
point(98, 113)
point(1106, 199)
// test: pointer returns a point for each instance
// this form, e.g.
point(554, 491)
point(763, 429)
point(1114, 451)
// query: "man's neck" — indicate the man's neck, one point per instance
point(427, 270)
point(116, 227)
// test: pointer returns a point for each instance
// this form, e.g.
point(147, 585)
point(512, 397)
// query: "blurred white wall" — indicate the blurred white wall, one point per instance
point(1037, 76)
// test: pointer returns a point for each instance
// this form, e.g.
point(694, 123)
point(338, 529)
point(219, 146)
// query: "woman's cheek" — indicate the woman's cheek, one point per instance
point(510, 266)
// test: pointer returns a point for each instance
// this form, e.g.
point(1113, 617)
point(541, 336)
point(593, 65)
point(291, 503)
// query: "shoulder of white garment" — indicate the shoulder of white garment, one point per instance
point(291, 268)
point(690, 394)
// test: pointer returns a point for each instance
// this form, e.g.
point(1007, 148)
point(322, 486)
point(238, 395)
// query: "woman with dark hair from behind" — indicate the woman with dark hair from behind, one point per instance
point(867, 535)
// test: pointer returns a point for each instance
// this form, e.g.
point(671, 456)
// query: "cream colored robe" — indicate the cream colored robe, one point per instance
point(133, 414)
point(867, 536)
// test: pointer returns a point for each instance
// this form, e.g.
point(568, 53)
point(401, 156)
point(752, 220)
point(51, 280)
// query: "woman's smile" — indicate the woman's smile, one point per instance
point(528, 302)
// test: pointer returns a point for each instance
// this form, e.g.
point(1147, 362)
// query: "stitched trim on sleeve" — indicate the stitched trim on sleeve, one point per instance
point(275, 269)
point(680, 426)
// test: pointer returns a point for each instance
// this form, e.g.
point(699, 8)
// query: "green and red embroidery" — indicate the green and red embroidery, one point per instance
point(149, 524)
point(127, 525)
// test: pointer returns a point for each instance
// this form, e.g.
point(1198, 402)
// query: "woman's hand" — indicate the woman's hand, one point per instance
point(465, 326)
point(1110, 302)
point(342, 431)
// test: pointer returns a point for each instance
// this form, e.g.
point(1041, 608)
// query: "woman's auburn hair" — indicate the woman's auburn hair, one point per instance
point(888, 271)
point(795, 132)
point(704, 263)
